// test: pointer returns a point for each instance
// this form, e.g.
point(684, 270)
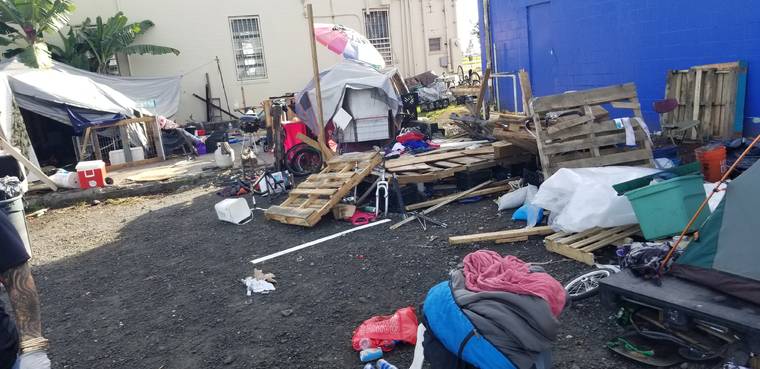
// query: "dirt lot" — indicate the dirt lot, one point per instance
point(155, 283)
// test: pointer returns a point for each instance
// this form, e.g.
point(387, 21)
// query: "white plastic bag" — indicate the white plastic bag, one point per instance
point(65, 179)
point(516, 198)
point(581, 199)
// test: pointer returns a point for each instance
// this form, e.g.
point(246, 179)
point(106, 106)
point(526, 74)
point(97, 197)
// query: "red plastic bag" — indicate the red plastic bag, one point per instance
point(383, 330)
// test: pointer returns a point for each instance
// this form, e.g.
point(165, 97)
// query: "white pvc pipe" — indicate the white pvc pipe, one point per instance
point(315, 242)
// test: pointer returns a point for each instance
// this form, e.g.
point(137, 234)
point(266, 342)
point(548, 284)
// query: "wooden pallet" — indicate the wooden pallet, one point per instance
point(319, 193)
point(581, 246)
point(431, 167)
point(712, 94)
point(583, 135)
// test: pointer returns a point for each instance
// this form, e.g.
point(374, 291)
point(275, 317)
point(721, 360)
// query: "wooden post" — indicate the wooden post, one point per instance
point(526, 90)
point(209, 113)
point(326, 152)
point(279, 153)
point(242, 93)
point(483, 91)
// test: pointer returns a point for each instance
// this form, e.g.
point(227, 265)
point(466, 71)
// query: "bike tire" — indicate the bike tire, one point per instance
point(302, 160)
point(586, 284)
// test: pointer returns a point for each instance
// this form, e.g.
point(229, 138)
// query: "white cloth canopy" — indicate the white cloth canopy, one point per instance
point(48, 92)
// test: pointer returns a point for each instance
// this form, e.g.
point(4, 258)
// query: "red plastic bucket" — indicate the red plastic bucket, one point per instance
point(713, 160)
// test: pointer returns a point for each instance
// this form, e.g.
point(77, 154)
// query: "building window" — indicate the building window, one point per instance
point(378, 32)
point(434, 44)
point(248, 46)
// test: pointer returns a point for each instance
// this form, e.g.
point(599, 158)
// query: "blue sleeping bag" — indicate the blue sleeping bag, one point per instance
point(456, 332)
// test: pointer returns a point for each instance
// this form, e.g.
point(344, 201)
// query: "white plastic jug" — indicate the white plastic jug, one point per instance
point(224, 160)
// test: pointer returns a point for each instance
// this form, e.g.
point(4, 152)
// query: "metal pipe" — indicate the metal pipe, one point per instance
point(424, 35)
point(513, 76)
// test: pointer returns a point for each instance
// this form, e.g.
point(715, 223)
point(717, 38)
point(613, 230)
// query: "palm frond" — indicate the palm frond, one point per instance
point(149, 49)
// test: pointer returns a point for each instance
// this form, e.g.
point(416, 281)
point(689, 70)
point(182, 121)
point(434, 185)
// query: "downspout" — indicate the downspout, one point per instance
point(409, 30)
point(446, 32)
point(424, 36)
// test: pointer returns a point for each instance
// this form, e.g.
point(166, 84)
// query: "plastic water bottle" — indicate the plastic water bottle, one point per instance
point(369, 353)
point(382, 364)
point(369, 366)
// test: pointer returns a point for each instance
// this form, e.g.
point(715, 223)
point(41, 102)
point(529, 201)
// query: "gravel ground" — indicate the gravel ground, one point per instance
point(154, 282)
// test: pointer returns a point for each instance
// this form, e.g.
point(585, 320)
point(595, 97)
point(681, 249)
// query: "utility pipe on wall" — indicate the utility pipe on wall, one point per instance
point(424, 36)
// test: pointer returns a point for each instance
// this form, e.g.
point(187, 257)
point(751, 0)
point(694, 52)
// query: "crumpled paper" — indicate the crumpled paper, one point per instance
point(260, 283)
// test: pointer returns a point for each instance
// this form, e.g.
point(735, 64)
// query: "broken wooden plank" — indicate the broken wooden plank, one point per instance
point(511, 240)
point(442, 204)
point(586, 97)
point(485, 191)
point(501, 235)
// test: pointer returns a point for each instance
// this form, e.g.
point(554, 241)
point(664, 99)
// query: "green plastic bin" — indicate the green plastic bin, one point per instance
point(663, 209)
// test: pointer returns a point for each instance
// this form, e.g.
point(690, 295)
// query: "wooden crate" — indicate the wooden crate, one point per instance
point(581, 246)
point(712, 94)
point(314, 197)
point(573, 130)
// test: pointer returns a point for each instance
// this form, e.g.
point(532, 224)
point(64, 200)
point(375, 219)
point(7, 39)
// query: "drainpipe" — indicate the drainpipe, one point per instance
point(409, 34)
point(446, 33)
point(424, 36)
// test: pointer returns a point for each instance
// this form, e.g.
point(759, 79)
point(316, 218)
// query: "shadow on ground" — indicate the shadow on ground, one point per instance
point(166, 292)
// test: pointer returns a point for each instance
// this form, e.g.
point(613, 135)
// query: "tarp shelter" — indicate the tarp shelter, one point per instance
point(359, 89)
point(55, 92)
point(725, 256)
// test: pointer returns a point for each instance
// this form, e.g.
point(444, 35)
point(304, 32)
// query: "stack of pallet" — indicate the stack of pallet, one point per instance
point(440, 164)
point(573, 130)
point(711, 94)
point(581, 246)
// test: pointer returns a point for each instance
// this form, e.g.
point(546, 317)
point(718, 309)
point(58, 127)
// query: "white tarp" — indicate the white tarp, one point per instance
point(581, 199)
point(348, 74)
point(48, 91)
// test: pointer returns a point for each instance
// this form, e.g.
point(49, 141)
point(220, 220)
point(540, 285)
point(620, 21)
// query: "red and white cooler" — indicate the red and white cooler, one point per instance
point(91, 174)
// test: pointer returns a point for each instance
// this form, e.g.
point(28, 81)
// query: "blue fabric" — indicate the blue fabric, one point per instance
point(79, 122)
point(522, 213)
point(449, 324)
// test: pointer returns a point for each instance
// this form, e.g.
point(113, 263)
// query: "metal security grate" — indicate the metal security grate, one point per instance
point(378, 33)
point(248, 47)
point(434, 44)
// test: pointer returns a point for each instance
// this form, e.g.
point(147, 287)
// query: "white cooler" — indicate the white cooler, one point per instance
point(234, 211)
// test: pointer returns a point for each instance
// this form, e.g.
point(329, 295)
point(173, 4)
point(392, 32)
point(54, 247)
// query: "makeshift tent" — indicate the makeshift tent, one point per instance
point(355, 87)
point(726, 254)
point(64, 93)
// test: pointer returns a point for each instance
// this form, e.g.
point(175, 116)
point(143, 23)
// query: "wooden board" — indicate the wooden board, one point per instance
point(320, 192)
point(500, 235)
point(6, 146)
point(581, 246)
point(583, 136)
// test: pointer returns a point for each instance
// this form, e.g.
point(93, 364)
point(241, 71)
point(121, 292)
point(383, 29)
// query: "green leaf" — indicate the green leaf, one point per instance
point(36, 56)
point(149, 49)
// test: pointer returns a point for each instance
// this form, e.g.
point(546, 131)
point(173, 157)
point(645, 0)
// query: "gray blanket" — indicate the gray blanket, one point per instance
point(520, 326)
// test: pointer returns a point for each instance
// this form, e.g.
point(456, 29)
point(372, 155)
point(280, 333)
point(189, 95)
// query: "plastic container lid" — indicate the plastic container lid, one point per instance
point(90, 165)
point(660, 187)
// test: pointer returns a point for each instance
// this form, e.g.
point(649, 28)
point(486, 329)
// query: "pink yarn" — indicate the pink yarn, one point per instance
point(488, 271)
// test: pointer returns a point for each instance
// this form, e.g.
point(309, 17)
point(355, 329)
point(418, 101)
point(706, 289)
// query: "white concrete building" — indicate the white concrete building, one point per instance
point(263, 45)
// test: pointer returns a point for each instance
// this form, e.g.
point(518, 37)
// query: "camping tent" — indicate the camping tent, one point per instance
point(725, 255)
point(371, 91)
point(59, 91)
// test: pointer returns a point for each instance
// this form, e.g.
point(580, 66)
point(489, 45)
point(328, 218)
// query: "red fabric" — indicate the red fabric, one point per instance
point(411, 136)
point(488, 271)
point(292, 129)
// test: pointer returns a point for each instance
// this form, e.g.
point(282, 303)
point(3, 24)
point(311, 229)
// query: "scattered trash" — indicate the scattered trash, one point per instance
point(65, 179)
point(382, 364)
point(10, 187)
point(368, 352)
point(386, 331)
point(260, 283)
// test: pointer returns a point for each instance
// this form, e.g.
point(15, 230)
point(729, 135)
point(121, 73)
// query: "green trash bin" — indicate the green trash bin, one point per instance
point(664, 209)
point(14, 209)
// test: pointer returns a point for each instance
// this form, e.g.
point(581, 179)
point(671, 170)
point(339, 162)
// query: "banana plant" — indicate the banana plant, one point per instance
point(23, 22)
point(117, 35)
point(73, 51)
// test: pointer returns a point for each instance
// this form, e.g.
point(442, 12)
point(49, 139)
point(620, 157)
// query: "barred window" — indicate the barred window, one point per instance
point(248, 46)
point(378, 32)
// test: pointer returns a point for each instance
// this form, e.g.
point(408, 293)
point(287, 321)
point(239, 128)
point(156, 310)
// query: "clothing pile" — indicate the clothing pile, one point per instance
point(410, 140)
point(496, 312)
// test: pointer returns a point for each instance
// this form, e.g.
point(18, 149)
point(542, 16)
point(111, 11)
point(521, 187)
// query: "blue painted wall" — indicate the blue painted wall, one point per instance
point(603, 42)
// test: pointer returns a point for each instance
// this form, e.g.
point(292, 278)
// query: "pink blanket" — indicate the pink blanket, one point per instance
point(488, 271)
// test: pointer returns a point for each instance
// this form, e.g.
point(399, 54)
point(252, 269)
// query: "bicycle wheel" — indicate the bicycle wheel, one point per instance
point(303, 160)
point(462, 77)
point(475, 79)
point(586, 284)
